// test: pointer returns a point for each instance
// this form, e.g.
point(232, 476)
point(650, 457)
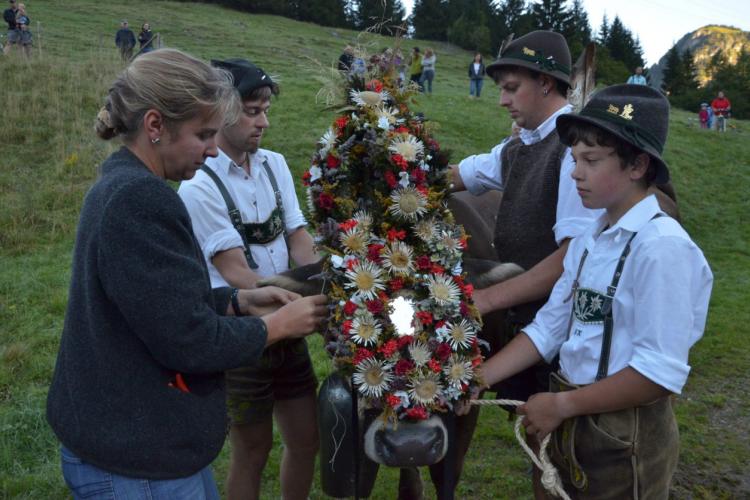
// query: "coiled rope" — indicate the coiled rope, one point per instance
point(550, 477)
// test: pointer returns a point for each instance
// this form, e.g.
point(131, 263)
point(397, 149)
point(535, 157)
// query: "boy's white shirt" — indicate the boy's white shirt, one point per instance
point(659, 308)
point(254, 197)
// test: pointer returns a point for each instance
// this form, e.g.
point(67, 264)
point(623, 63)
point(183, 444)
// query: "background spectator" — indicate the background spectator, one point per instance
point(415, 66)
point(125, 41)
point(637, 78)
point(428, 70)
point(722, 109)
point(146, 38)
point(346, 59)
point(23, 27)
point(703, 115)
point(9, 16)
point(476, 76)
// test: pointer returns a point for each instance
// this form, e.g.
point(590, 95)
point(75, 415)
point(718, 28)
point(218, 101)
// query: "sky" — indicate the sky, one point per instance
point(660, 23)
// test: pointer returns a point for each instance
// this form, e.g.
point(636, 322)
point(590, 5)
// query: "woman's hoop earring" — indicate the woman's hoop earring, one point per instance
point(155, 140)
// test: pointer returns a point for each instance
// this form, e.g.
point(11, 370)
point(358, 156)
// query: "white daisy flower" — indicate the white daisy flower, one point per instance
point(364, 278)
point(373, 377)
point(368, 98)
point(386, 116)
point(365, 329)
point(461, 334)
point(409, 147)
point(354, 240)
point(458, 371)
point(364, 220)
point(425, 229)
point(327, 141)
point(397, 257)
point(425, 389)
point(443, 290)
point(408, 203)
point(419, 353)
point(448, 242)
point(315, 173)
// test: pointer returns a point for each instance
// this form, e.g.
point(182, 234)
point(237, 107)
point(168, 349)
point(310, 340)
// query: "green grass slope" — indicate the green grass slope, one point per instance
point(49, 159)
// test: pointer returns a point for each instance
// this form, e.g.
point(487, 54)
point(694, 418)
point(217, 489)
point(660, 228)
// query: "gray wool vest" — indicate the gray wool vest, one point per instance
point(528, 210)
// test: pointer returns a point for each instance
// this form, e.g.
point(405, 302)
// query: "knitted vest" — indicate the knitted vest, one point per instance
point(528, 210)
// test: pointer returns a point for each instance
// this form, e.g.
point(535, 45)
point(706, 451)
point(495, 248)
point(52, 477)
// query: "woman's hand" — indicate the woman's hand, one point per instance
point(296, 319)
point(262, 301)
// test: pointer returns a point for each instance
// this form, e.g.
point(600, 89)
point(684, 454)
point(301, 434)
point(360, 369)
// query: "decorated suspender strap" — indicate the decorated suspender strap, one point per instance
point(234, 215)
point(606, 306)
point(277, 194)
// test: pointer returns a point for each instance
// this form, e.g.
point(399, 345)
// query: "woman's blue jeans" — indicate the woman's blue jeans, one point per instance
point(475, 87)
point(90, 482)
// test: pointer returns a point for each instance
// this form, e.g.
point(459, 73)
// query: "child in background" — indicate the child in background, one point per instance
point(631, 301)
point(703, 115)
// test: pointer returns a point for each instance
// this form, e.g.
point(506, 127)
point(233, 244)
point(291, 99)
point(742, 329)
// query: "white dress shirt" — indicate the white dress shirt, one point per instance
point(254, 197)
point(659, 307)
point(483, 172)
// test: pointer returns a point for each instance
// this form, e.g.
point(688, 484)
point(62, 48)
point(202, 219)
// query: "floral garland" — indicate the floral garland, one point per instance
point(376, 191)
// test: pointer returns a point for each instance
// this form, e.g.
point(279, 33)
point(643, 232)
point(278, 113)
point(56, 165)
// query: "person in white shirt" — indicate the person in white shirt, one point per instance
point(632, 300)
point(266, 229)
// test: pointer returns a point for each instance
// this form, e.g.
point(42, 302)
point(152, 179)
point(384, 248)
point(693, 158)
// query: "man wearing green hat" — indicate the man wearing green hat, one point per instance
point(247, 220)
point(540, 210)
point(631, 302)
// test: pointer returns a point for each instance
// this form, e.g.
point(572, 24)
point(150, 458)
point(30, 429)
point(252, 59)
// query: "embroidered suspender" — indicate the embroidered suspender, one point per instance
point(606, 306)
point(234, 214)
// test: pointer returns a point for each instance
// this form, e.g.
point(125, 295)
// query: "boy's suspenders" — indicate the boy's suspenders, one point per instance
point(606, 306)
point(234, 214)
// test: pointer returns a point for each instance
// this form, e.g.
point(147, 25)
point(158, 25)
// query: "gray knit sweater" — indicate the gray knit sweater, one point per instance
point(140, 310)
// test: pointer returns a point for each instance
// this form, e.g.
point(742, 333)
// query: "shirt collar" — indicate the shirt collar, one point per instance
point(632, 221)
point(542, 131)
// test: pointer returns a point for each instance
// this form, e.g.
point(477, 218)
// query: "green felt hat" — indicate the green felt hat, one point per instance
point(543, 51)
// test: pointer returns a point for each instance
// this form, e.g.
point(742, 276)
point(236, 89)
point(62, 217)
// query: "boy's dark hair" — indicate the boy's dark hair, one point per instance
point(263, 93)
point(591, 135)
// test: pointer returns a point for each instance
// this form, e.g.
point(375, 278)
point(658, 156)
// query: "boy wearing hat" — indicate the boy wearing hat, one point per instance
point(247, 219)
point(631, 301)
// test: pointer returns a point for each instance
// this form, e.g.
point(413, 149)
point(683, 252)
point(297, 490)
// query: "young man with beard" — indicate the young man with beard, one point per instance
point(265, 229)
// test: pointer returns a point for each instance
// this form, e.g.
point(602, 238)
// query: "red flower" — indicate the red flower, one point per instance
point(443, 351)
point(351, 263)
point(424, 263)
point(459, 280)
point(437, 268)
point(350, 308)
point(341, 123)
point(400, 161)
point(433, 144)
point(417, 413)
point(332, 161)
point(325, 201)
point(401, 130)
point(393, 234)
point(374, 306)
point(390, 179)
point(405, 341)
point(374, 85)
point(476, 361)
point(396, 284)
point(469, 290)
point(434, 365)
point(361, 355)
point(306, 178)
point(403, 366)
point(463, 309)
point(393, 401)
point(463, 242)
point(346, 326)
point(347, 225)
point(423, 190)
point(425, 317)
point(373, 252)
point(419, 176)
point(388, 348)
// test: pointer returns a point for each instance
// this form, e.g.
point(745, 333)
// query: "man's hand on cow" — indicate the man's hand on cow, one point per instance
point(262, 301)
point(482, 300)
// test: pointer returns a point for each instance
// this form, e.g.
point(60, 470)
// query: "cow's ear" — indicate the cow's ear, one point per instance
point(483, 273)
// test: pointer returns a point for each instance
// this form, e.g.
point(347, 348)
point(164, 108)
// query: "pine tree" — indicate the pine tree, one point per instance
point(603, 36)
point(673, 71)
point(578, 30)
point(551, 15)
point(380, 16)
point(429, 19)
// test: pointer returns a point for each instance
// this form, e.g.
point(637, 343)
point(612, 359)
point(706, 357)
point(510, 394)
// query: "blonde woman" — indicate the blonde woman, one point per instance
point(137, 398)
point(428, 70)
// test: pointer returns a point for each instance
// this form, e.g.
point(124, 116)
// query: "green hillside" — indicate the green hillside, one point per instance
point(49, 159)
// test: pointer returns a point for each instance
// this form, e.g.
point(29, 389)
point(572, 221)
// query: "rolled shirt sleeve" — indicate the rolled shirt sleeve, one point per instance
point(483, 172)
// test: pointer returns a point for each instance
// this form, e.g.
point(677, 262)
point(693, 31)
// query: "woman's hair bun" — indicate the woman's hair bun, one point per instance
point(103, 125)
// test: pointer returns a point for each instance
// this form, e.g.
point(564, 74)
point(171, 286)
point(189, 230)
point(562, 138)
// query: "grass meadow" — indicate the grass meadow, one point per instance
point(49, 157)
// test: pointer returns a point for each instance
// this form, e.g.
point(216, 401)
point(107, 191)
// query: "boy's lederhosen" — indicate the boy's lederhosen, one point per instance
point(524, 236)
point(631, 453)
point(285, 370)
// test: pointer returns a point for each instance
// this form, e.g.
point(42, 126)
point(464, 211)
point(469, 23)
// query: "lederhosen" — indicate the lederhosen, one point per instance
point(524, 235)
point(631, 453)
point(253, 233)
